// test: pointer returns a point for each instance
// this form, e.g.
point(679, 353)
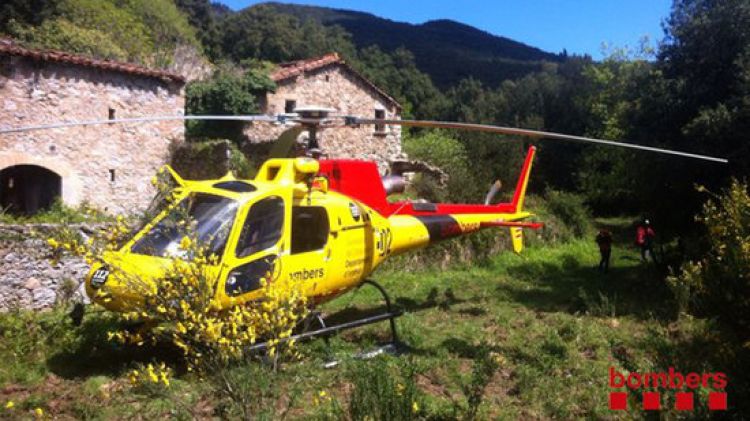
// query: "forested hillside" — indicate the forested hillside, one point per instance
point(446, 50)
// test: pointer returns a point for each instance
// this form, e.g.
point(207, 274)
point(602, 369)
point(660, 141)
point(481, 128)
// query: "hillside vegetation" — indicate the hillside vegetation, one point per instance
point(146, 32)
point(446, 50)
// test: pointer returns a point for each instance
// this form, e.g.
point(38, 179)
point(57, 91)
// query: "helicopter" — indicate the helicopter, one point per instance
point(325, 224)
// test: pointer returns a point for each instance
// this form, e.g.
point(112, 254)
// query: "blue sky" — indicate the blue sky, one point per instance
point(580, 26)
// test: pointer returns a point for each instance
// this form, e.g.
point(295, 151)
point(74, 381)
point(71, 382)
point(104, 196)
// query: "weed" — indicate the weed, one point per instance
point(382, 391)
point(57, 213)
point(484, 366)
point(601, 306)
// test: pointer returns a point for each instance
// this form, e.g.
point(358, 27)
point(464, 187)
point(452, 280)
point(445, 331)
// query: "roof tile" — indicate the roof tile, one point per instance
point(7, 46)
point(292, 69)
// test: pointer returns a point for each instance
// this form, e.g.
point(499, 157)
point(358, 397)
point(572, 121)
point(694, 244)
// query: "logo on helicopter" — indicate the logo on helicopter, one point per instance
point(99, 278)
point(304, 274)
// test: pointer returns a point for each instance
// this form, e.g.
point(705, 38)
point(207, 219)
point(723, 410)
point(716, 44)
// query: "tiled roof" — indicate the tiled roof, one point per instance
point(292, 69)
point(8, 47)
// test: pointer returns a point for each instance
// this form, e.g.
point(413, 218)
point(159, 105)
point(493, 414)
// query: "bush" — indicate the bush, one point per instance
point(61, 34)
point(146, 32)
point(226, 93)
point(718, 285)
point(440, 149)
point(570, 209)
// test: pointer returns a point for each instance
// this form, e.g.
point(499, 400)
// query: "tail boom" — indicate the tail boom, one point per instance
point(416, 225)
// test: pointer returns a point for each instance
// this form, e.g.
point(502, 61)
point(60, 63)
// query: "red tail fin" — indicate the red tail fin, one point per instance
point(523, 180)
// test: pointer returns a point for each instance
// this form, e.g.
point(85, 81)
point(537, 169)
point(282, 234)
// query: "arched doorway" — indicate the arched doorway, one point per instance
point(27, 189)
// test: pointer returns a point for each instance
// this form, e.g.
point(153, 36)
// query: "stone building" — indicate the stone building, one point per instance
point(107, 166)
point(329, 82)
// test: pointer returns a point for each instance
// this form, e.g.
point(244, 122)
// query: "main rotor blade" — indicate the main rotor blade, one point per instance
point(534, 134)
point(260, 117)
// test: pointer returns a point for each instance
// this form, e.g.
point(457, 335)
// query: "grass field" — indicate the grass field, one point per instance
point(517, 337)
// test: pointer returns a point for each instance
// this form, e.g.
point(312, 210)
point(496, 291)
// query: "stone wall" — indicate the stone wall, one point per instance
point(336, 87)
point(201, 161)
point(107, 166)
point(28, 279)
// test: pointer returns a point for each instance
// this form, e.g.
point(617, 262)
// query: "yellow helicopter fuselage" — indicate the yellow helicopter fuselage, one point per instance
point(292, 223)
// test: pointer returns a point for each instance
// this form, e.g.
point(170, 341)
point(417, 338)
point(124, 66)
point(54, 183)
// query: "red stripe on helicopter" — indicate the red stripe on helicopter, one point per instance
point(440, 227)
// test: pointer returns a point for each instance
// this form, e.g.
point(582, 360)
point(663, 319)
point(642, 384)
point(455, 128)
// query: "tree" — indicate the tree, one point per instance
point(201, 16)
point(140, 31)
point(397, 74)
point(24, 12)
point(226, 93)
point(696, 99)
point(605, 175)
point(263, 33)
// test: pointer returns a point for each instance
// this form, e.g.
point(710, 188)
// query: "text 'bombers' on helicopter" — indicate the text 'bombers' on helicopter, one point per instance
point(325, 224)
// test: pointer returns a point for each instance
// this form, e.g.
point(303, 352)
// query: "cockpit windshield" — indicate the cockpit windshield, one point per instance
point(212, 218)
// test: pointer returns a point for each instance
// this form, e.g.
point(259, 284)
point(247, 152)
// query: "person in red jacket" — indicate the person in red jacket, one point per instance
point(644, 238)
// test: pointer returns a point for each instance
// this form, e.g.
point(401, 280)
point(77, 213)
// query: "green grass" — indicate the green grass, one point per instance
point(553, 322)
point(57, 213)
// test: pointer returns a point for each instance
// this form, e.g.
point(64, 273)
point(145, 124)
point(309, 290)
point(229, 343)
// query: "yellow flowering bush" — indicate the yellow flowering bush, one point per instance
point(718, 285)
point(179, 306)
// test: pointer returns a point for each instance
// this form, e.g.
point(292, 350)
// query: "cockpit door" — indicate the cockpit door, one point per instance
point(307, 263)
point(254, 254)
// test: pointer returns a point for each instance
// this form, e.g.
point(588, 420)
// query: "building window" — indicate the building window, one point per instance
point(380, 115)
point(112, 175)
point(289, 106)
point(111, 113)
point(328, 78)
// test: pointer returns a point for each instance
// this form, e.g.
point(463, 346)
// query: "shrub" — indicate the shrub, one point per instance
point(570, 209)
point(61, 34)
point(178, 307)
point(718, 285)
point(440, 149)
point(226, 93)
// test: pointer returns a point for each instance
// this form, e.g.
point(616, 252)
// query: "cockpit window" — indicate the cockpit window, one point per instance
point(263, 226)
point(236, 186)
point(211, 215)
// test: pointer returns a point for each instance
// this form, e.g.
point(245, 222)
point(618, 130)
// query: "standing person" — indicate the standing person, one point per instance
point(644, 238)
point(604, 240)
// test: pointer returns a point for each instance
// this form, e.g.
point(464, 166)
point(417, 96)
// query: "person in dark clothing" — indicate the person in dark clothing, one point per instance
point(644, 238)
point(604, 240)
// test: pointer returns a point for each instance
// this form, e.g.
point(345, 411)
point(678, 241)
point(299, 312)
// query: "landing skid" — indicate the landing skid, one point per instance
point(393, 347)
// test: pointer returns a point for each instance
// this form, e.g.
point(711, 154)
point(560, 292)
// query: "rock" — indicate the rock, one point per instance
point(44, 297)
point(32, 284)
